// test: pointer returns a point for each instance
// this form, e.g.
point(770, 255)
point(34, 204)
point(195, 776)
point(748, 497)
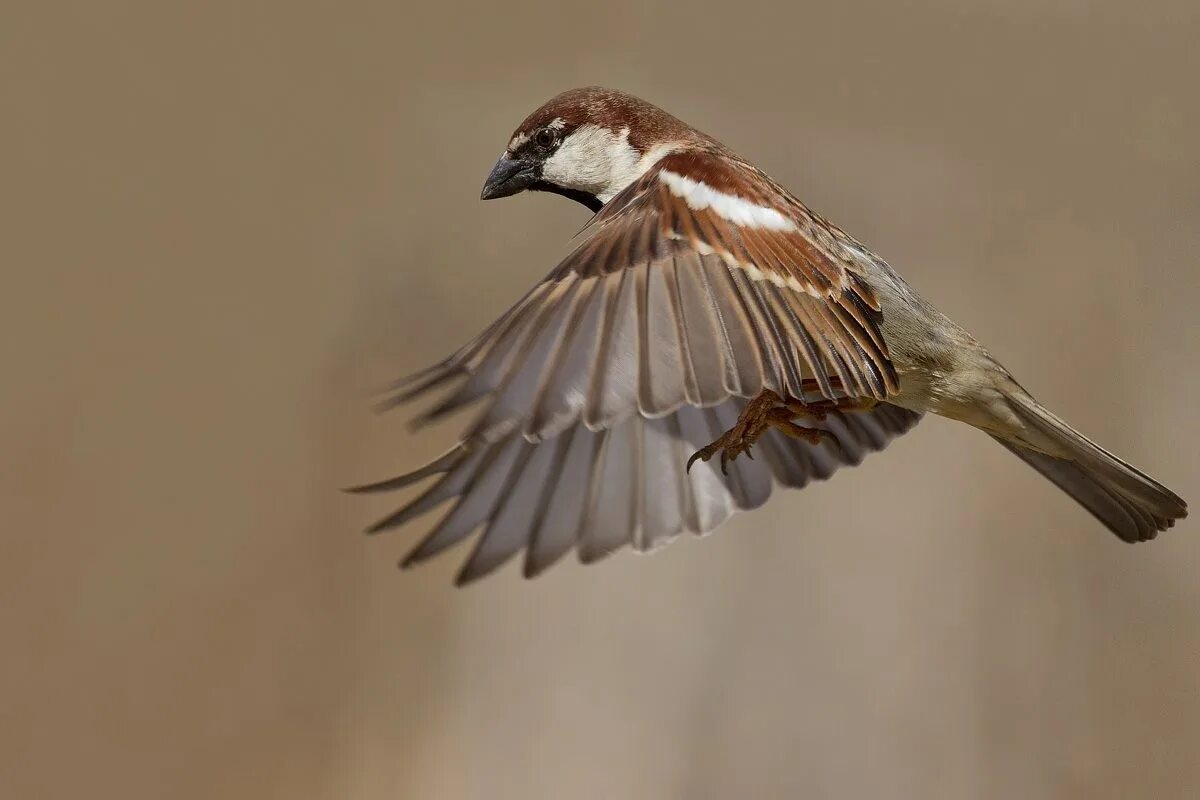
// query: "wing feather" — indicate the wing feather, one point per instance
point(702, 283)
point(559, 530)
point(598, 491)
point(666, 303)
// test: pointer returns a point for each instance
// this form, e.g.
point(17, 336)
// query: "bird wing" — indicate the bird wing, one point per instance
point(599, 490)
point(701, 281)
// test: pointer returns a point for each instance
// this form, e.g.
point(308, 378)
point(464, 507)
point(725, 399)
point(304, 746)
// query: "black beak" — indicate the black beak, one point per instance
point(509, 176)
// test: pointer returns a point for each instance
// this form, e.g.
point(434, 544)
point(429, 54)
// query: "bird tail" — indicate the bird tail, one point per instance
point(1129, 502)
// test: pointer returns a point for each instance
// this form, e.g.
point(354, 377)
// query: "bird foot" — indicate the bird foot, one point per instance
point(769, 410)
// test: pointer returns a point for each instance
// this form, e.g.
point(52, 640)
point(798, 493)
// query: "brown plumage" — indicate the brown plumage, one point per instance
point(700, 284)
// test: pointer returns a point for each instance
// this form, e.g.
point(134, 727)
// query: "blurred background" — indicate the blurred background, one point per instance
point(226, 224)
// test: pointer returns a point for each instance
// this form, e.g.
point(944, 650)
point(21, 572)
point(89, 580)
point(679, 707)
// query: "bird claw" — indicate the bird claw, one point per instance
point(730, 445)
point(769, 410)
point(706, 453)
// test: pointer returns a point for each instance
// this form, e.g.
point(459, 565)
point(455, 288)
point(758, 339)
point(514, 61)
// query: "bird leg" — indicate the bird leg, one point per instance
point(769, 410)
point(818, 409)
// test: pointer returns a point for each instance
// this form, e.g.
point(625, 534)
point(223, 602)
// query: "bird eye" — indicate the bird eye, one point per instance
point(545, 137)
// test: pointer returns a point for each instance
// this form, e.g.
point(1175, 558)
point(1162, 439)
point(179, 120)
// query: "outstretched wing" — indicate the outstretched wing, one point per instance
point(597, 491)
point(702, 281)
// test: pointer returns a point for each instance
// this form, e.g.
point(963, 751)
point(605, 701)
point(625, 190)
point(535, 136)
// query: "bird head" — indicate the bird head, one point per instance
point(587, 144)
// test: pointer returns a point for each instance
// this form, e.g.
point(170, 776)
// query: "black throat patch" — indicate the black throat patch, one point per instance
point(590, 200)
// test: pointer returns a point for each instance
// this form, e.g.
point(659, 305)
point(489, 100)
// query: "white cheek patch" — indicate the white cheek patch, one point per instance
point(700, 196)
point(599, 161)
point(594, 160)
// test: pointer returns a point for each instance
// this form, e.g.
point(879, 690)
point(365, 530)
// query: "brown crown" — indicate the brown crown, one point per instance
point(609, 108)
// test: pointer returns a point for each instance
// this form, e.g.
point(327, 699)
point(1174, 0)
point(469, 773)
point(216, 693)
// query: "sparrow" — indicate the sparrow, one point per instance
point(705, 314)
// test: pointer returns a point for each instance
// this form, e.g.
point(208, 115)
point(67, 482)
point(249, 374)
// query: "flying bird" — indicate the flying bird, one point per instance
point(709, 337)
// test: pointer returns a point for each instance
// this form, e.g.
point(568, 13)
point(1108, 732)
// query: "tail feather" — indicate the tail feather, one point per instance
point(1129, 502)
point(1124, 517)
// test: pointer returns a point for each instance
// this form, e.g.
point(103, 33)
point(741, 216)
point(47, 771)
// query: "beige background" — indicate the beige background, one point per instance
point(224, 223)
